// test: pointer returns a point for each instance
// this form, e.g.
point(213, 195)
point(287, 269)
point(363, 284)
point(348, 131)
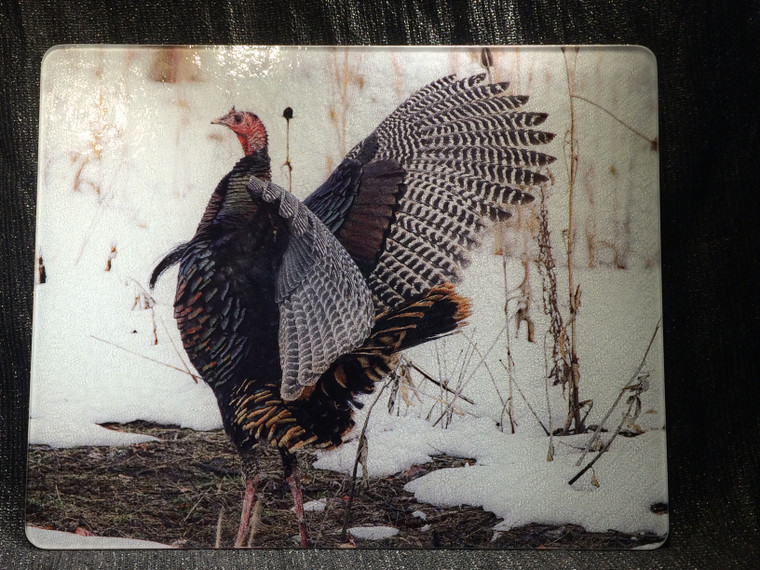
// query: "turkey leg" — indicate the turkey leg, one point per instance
point(290, 464)
point(245, 516)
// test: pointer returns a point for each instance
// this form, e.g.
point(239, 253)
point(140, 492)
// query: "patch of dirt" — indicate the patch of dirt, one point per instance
point(175, 490)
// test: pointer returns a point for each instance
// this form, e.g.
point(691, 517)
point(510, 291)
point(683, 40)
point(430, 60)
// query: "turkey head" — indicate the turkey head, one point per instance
point(248, 127)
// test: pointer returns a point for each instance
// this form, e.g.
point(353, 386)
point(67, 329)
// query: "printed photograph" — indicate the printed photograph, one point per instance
point(331, 297)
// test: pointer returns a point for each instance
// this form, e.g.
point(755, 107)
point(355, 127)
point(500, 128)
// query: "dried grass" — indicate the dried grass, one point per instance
point(174, 490)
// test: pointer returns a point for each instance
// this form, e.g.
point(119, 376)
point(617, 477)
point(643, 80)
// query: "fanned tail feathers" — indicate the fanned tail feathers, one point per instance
point(437, 313)
point(323, 413)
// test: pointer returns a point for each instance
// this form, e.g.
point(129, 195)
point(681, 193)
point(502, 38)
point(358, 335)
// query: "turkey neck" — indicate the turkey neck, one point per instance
point(230, 204)
point(256, 163)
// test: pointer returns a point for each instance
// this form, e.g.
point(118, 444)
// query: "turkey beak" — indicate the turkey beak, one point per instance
point(225, 120)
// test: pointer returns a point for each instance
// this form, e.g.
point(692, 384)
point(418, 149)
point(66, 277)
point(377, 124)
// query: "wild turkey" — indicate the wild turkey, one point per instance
point(291, 310)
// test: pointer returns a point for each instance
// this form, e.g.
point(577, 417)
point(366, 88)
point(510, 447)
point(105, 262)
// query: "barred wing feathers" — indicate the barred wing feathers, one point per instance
point(325, 306)
point(408, 202)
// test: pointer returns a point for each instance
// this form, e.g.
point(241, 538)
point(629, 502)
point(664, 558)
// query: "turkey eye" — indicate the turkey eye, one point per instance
point(238, 119)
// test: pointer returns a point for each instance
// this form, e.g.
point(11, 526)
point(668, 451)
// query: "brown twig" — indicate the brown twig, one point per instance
point(652, 142)
point(218, 538)
point(360, 450)
point(287, 115)
point(510, 366)
point(178, 353)
point(604, 449)
point(438, 383)
point(255, 522)
point(185, 371)
point(148, 303)
point(527, 403)
point(630, 385)
point(620, 395)
point(573, 415)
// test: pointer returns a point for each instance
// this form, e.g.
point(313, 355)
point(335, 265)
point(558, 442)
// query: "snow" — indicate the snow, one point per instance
point(315, 506)
point(56, 540)
point(112, 187)
point(512, 478)
point(372, 532)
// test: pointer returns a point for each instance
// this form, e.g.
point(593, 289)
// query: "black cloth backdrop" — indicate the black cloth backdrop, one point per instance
point(708, 54)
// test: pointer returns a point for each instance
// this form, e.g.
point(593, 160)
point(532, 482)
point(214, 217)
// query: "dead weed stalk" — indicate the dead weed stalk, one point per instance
point(637, 384)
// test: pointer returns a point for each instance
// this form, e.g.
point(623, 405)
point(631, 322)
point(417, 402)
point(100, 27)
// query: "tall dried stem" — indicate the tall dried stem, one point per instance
point(574, 403)
point(559, 372)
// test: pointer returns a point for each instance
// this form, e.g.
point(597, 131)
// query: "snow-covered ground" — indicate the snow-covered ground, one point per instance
point(127, 164)
point(56, 540)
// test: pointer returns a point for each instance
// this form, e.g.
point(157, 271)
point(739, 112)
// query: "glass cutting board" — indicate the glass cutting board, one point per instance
point(510, 209)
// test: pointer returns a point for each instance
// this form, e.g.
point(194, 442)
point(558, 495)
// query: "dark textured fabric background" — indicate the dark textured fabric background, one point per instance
point(708, 54)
